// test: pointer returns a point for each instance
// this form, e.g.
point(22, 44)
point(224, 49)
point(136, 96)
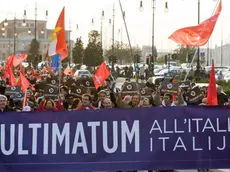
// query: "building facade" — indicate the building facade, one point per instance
point(220, 54)
point(147, 50)
point(16, 34)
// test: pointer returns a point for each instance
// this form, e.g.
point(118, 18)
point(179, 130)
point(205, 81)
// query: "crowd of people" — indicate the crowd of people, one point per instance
point(101, 99)
point(105, 97)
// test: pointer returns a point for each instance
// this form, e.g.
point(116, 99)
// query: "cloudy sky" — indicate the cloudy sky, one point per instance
point(181, 13)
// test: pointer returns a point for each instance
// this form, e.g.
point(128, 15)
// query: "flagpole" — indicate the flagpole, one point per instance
point(221, 48)
point(191, 64)
point(60, 74)
point(24, 101)
point(126, 28)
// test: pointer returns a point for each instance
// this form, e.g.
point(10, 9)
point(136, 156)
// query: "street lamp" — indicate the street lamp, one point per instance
point(5, 22)
point(92, 21)
point(110, 22)
point(35, 21)
point(103, 14)
point(24, 15)
point(14, 29)
point(3, 27)
point(24, 22)
point(42, 31)
point(166, 7)
point(46, 16)
point(141, 6)
point(153, 30)
point(3, 34)
point(29, 31)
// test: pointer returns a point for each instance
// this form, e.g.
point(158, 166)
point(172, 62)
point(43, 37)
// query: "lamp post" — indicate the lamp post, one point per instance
point(5, 24)
point(198, 51)
point(35, 21)
point(113, 27)
point(70, 52)
point(153, 30)
point(102, 18)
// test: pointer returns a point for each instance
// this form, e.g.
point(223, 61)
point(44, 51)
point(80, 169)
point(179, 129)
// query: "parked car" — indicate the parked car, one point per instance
point(82, 73)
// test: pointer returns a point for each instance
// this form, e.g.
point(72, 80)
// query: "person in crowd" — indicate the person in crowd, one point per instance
point(86, 103)
point(63, 101)
point(135, 100)
point(3, 104)
point(168, 99)
point(145, 103)
point(127, 99)
point(76, 103)
point(220, 76)
point(222, 97)
point(203, 102)
point(107, 103)
point(101, 97)
point(50, 105)
point(142, 73)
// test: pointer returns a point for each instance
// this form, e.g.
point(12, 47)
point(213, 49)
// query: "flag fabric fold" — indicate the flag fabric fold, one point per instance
point(58, 38)
point(56, 63)
point(101, 75)
point(9, 71)
point(24, 82)
point(197, 35)
point(19, 58)
point(212, 92)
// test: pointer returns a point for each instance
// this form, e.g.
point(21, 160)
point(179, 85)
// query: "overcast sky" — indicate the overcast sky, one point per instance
point(182, 13)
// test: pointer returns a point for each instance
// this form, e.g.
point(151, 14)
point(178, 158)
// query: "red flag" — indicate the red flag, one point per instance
point(212, 92)
point(6, 67)
point(9, 71)
point(22, 69)
point(101, 75)
point(197, 35)
point(24, 82)
point(12, 79)
point(19, 58)
point(61, 47)
point(68, 71)
point(58, 40)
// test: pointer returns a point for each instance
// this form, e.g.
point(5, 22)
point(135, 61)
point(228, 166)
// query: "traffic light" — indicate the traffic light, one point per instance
point(166, 59)
point(110, 59)
point(148, 60)
point(190, 56)
point(174, 57)
point(113, 59)
point(137, 58)
point(151, 59)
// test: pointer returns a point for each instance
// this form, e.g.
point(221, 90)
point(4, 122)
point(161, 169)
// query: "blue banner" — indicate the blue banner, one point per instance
point(115, 139)
point(56, 62)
